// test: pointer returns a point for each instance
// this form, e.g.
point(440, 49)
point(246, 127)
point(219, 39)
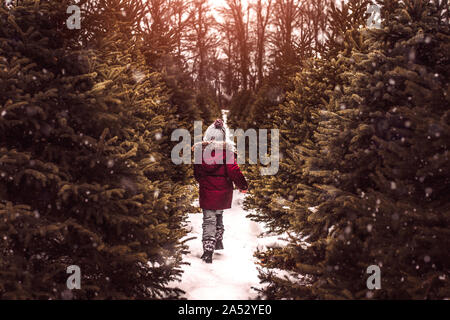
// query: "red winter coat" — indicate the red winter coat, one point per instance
point(216, 180)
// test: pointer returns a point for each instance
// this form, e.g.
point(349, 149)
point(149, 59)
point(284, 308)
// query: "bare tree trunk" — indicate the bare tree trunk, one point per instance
point(263, 14)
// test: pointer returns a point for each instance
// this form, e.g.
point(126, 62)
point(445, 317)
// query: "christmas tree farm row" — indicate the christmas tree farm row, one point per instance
point(364, 170)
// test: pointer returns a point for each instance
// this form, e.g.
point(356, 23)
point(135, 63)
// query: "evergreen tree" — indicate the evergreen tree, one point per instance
point(296, 118)
point(239, 109)
point(379, 170)
point(305, 101)
point(84, 174)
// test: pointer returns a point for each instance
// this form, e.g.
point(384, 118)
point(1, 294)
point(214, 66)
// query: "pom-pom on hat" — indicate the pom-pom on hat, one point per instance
point(216, 132)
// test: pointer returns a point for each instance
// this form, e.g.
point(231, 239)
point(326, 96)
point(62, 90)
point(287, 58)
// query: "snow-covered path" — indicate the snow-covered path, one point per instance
point(233, 271)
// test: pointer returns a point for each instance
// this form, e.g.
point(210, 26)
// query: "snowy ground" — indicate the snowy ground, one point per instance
point(233, 272)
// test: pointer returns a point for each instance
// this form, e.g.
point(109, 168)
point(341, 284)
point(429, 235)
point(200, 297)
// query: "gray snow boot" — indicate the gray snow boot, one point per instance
point(207, 256)
point(219, 245)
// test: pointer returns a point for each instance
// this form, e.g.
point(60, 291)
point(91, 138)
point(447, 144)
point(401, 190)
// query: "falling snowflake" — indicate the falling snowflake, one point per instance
point(138, 76)
point(330, 229)
point(67, 294)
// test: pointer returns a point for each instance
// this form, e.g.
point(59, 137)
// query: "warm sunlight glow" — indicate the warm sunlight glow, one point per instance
point(223, 3)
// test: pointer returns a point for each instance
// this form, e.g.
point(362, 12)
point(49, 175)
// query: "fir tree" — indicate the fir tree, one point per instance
point(84, 174)
point(297, 118)
point(379, 169)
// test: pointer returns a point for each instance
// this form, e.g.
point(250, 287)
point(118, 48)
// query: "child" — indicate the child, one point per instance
point(216, 176)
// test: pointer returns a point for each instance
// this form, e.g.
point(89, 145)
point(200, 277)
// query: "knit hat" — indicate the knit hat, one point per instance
point(218, 133)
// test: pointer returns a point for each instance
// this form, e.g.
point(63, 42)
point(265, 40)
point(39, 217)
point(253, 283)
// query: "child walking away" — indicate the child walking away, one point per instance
point(216, 175)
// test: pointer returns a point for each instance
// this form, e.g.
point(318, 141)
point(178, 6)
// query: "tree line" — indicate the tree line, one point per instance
point(236, 46)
